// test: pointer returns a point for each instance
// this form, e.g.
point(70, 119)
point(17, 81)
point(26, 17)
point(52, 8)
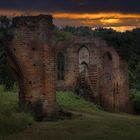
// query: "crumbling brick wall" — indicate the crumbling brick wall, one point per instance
point(102, 75)
point(106, 79)
point(32, 57)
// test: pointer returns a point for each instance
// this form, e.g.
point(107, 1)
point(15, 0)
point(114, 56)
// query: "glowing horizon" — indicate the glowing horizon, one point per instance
point(115, 20)
point(118, 21)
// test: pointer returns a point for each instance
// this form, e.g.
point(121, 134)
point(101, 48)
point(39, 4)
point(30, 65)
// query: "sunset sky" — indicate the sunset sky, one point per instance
point(121, 15)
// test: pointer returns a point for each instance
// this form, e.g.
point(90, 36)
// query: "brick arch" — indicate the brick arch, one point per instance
point(112, 52)
point(108, 54)
point(107, 61)
point(84, 55)
point(83, 46)
point(84, 58)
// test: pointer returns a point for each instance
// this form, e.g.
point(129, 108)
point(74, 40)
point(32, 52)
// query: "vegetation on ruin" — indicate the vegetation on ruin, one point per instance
point(71, 101)
point(60, 36)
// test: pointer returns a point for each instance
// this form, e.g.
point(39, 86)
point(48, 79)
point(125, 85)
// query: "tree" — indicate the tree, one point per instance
point(6, 75)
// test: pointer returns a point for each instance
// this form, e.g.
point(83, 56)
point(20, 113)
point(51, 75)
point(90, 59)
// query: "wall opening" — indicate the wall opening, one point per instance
point(60, 66)
point(107, 64)
point(84, 67)
point(83, 58)
point(108, 56)
point(33, 48)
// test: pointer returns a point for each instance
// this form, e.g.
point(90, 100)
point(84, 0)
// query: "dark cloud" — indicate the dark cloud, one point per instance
point(79, 6)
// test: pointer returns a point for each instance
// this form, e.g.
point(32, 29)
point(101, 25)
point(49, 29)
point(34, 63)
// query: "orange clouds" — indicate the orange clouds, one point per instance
point(95, 15)
point(110, 20)
point(117, 21)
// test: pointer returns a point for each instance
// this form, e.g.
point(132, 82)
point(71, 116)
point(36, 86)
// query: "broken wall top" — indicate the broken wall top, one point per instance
point(32, 20)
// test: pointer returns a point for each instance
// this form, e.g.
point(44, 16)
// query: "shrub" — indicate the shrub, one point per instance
point(135, 98)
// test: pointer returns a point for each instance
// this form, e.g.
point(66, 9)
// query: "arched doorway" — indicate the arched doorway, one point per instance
point(107, 65)
point(83, 58)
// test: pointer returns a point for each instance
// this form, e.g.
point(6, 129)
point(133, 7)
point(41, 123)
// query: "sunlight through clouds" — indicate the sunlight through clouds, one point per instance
point(117, 21)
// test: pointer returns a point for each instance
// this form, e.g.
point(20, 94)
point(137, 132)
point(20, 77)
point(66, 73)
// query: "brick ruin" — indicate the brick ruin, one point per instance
point(89, 65)
point(96, 71)
point(32, 58)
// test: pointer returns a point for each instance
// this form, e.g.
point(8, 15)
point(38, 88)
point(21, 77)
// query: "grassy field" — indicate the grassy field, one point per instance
point(11, 120)
point(87, 123)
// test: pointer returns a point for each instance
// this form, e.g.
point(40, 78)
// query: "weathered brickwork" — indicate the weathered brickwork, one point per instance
point(98, 71)
point(88, 65)
point(32, 57)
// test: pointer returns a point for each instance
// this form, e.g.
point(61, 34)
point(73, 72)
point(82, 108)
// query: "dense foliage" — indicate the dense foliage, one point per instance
point(6, 75)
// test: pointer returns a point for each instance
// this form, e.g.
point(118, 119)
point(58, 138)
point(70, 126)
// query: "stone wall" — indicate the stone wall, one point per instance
point(101, 75)
point(32, 57)
point(89, 64)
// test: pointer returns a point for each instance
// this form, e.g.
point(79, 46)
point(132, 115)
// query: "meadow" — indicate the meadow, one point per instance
point(88, 122)
point(11, 119)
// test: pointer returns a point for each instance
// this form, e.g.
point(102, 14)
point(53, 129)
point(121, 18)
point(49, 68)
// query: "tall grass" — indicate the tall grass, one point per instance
point(11, 120)
point(69, 100)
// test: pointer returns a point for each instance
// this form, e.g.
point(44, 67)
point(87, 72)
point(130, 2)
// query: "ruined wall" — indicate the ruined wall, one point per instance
point(88, 63)
point(32, 57)
point(102, 75)
point(71, 66)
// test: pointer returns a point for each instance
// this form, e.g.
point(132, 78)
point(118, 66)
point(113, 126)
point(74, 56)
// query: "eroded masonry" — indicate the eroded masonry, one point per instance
point(95, 71)
point(89, 66)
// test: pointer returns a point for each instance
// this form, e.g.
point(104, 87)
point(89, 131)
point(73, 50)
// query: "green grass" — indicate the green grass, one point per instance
point(71, 101)
point(89, 123)
point(11, 120)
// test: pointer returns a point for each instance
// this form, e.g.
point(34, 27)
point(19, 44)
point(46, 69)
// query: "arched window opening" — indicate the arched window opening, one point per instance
point(108, 56)
point(83, 58)
point(108, 67)
point(84, 63)
point(107, 61)
point(60, 66)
